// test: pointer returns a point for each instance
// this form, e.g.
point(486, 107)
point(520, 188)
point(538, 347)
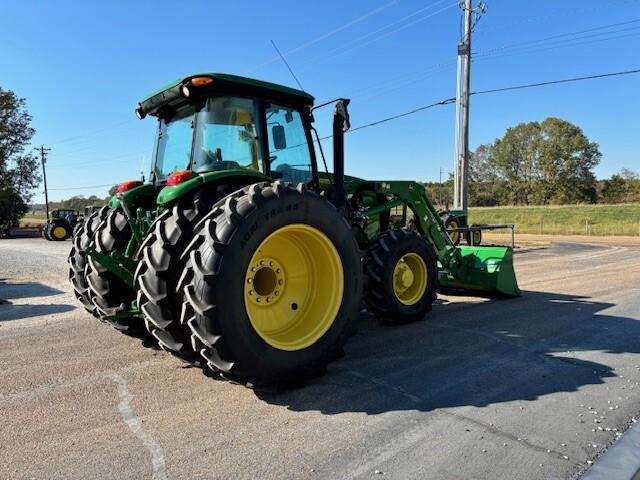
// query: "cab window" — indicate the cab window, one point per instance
point(226, 136)
point(289, 155)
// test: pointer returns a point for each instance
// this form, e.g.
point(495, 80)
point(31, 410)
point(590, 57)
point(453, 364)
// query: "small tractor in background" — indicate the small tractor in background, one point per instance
point(63, 222)
point(60, 224)
point(241, 254)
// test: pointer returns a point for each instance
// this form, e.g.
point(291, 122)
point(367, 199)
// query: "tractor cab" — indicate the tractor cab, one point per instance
point(218, 123)
point(67, 214)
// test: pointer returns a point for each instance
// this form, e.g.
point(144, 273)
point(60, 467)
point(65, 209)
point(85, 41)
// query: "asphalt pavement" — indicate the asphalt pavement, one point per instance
point(483, 388)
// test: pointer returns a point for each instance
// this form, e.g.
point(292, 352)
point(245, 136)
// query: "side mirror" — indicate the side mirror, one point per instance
point(279, 138)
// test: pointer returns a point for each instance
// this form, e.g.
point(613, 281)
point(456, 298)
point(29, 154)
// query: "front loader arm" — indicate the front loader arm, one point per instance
point(470, 268)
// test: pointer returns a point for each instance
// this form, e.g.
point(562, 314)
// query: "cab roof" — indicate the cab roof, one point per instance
point(228, 83)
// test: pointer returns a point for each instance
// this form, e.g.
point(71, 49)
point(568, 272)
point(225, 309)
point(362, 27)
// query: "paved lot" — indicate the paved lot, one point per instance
point(534, 387)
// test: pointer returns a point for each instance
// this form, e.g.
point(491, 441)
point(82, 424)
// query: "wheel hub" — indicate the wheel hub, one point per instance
point(59, 232)
point(410, 279)
point(403, 277)
point(265, 281)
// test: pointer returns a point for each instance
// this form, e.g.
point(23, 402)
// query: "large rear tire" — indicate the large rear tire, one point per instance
point(107, 291)
point(159, 270)
point(402, 273)
point(274, 285)
point(82, 239)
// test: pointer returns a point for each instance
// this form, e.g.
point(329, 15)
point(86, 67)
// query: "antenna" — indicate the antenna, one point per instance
point(285, 62)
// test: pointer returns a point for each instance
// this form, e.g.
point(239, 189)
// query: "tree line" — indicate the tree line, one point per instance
point(540, 163)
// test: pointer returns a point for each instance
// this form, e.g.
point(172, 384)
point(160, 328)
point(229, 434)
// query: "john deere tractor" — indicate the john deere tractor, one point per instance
point(60, 224)
point(242, 252)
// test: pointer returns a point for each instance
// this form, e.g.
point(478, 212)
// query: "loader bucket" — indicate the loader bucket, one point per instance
point(484, 269)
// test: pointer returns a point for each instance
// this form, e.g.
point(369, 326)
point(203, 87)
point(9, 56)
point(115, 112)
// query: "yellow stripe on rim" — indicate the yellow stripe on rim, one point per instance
point(410, 279)
point(59, 232)
point(293, 287)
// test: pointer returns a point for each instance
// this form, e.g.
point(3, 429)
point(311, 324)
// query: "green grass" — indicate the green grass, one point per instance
point(568, 220)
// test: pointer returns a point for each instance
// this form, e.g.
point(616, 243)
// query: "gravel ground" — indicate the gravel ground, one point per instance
point(533, 387)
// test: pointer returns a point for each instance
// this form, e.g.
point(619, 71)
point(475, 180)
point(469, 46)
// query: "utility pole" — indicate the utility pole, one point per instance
point(43, 159)
point(463, 88)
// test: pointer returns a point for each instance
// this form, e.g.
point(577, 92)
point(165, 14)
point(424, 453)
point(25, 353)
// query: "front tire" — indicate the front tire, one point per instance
point(402, 273)
point(159, 270)
point(274, 284)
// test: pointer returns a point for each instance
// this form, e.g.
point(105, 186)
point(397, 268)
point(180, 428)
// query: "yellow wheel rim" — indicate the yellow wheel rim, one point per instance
point(410, 279)
point(293, 287)
point(454, 236)
point(59, 232)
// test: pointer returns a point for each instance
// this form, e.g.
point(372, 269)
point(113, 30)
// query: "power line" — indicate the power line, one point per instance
point(344, 45)
point(557, 13)
point(554, 82)
point(568, 34)
point(98, 162)
point(404, 114)
point(447, 101)
point(331, 33)
point(88, 134)
point(341, 50)
point(533, 49)
point(88, 186)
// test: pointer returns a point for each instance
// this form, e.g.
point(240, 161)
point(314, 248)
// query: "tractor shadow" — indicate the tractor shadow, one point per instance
point(14, 291)
point(468, 353)
point(24, 290)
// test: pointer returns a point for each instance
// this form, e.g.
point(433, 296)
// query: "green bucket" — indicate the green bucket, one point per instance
point(483, 269)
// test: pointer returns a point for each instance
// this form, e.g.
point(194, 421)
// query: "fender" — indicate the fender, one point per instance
point(135, 197)
point(170, 194)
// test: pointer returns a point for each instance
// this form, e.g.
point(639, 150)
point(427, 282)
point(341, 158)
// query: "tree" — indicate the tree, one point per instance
point(515, 158)
point(567, 160)
point(623, 187)
point(548, 162)
point(485, 187)
point(18, 170)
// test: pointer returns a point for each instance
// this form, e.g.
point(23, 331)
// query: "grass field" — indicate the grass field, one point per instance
point(33, 218)
point(568, 220)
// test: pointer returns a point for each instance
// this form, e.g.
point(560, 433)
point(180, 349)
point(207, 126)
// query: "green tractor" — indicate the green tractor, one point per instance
point(60, 224)
point(241, 252)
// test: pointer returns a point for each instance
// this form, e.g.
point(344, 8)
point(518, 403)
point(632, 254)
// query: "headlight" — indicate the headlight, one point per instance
point(185, 91)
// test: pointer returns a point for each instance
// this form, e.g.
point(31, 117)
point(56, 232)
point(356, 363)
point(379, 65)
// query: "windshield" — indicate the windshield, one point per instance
point(226, 135)
point(173, 150)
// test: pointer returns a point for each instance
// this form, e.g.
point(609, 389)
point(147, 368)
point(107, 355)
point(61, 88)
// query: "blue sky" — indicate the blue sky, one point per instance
point(83, 66)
